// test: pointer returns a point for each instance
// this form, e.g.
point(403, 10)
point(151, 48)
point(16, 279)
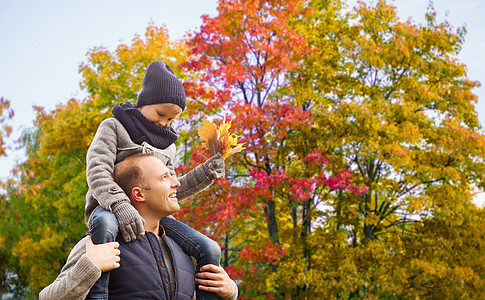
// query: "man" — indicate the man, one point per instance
point(152, 267)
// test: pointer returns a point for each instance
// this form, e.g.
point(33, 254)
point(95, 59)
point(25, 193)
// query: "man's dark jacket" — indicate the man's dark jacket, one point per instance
point(143, 271)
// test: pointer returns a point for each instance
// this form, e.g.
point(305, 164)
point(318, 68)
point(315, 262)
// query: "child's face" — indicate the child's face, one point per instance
point(161, 114)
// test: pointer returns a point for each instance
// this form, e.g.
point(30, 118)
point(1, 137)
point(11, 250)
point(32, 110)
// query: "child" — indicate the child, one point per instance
point(144, 127)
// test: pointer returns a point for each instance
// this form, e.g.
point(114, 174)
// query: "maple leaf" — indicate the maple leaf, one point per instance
point(218, 139)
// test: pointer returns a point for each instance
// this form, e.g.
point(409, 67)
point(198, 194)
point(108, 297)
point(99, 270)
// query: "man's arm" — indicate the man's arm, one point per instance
point(214, 279)
point(82, 269)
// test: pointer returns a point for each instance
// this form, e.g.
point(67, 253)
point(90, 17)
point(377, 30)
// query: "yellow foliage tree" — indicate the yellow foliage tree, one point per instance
point(395, 104)
point(6, 113)
point(49, 190)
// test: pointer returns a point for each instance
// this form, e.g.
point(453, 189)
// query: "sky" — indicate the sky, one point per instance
point(42, 44)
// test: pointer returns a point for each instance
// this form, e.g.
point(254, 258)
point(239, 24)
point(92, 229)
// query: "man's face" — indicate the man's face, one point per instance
point(161, 198)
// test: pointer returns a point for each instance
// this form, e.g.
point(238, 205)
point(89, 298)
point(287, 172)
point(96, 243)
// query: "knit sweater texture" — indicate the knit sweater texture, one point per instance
point(111, 145)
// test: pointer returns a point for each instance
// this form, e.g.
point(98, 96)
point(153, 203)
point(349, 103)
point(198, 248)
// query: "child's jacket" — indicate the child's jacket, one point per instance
point(111, 145)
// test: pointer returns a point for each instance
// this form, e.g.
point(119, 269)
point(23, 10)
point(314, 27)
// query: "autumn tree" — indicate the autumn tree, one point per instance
point(369, 93)
point(47, 196)
point(248, 50)
point(398, 109)
point(7, 268)
point(6, 113)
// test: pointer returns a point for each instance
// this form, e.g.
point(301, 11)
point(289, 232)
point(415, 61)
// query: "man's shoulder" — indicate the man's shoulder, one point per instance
point(78, 249)
point(78, 253)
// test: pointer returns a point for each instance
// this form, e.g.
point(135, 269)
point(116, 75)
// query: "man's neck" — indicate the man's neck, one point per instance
point(152, 227)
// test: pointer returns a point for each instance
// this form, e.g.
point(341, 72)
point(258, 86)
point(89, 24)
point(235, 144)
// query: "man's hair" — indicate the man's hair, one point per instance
point(128, 174)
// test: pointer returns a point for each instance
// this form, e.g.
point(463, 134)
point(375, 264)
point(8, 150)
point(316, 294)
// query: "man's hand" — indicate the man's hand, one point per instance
point(214, 279)
point(105, 256)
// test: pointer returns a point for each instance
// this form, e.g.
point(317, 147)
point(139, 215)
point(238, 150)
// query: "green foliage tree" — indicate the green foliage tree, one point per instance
point(7, 267)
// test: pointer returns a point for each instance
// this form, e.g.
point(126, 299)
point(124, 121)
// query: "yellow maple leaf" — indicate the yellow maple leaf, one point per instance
point(218, 139)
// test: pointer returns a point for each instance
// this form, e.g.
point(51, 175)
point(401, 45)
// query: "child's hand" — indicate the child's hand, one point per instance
point(105, 256)
point(214, 167)
point(130, 221)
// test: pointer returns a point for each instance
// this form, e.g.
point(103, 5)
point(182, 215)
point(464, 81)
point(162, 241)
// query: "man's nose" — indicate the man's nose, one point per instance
point(175, 182)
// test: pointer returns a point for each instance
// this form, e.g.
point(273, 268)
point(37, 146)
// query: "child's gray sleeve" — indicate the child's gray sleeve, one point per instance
point(100, 162)
point(201, 177)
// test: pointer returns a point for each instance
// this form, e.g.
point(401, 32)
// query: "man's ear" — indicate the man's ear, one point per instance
point(137, 194)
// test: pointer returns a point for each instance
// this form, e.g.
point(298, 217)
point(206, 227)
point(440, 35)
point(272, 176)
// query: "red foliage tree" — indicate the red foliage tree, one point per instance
point(243, 56)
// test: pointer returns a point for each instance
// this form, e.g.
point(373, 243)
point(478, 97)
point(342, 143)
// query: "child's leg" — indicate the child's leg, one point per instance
point(104, 228)
point(203, 249)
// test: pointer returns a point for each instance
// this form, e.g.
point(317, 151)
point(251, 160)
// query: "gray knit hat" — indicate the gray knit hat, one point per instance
point(160, 85)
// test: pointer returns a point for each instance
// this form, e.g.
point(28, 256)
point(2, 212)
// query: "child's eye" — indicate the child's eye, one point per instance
point(160, 114)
